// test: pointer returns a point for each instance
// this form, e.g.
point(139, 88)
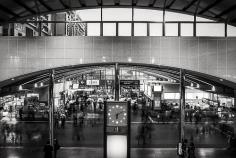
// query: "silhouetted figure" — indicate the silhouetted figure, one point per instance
point(56, 123)
point(56, 147)
point(48, 150)
point(63, 121)
point(184, 147)
point(191, 150)
point(75, 119)
point(21, 112)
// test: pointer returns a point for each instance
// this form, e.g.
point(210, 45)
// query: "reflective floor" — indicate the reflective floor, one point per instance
point(26, 139)
point(81, 152)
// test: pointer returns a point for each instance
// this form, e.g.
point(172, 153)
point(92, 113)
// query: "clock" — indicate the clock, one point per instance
point(117, 114)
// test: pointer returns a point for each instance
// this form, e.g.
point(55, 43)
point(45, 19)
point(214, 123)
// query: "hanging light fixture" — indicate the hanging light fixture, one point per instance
point(213, 88)
point(198, 85)
point(20, 88)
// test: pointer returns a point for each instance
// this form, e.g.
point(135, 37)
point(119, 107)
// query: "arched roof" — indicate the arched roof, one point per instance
point(219, 10)
point(205, 81)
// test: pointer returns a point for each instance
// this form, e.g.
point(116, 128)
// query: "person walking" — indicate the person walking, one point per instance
point(191, 150)
point(63, 121)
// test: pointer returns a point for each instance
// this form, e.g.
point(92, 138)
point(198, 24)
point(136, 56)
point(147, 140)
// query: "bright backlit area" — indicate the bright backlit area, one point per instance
point(117, 146)
point(118, 22)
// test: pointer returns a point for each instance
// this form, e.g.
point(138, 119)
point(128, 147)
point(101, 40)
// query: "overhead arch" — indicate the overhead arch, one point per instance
point(205, 81)
point(219, 10)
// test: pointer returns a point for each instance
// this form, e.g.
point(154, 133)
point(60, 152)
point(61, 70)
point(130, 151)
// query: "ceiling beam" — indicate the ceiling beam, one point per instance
point(170, 4)
point(99, 2)
point(134, 2)
point(209, 6)
point(64, 4)
point(82, 3)
point(117, 2)
point(45, 5)
point(189, 5)
point(8, 11)
point(23, 5)
point(230, 9)
point(153, 3)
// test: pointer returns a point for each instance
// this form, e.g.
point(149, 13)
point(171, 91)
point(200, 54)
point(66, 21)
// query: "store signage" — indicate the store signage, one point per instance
point(129, 82)
point(75, 86)
point(92, 82)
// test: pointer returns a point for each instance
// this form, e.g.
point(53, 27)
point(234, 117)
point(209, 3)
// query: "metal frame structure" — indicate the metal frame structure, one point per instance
point(45, 7)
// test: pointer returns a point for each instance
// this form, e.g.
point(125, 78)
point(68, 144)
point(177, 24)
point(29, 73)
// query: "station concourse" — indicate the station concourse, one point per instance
point(117, 78)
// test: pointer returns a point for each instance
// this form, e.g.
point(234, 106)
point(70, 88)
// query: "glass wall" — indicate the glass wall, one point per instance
point(146, 23)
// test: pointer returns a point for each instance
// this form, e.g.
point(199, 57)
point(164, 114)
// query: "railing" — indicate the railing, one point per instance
point(133, 28)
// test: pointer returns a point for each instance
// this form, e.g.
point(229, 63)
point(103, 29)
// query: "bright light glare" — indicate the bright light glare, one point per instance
point(117, 146)
point(89, 14)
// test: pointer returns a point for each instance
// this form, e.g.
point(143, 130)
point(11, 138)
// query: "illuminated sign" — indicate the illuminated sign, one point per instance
point(92, 82)
point(129, 82)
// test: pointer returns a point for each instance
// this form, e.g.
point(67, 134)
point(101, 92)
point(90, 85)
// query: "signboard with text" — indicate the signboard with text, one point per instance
point(92, 82)
point(129, 82)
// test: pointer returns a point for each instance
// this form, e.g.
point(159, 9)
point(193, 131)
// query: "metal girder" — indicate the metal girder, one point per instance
point(82, 3)
point(45, 5)
point(153, 3)
point(134, 2)
point(64, 4)
point(170, 4)
point(20, 3)
point(230, 9)
point(8, 11)
point(117, 2)
point(189, 5)
point(209, 6)
point(99, 2)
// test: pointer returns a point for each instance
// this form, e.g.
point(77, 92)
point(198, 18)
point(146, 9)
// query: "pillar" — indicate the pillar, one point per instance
point(51, 107)
point(182, 105)
point(117, 82)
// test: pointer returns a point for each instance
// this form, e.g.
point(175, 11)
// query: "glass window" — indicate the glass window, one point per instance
point(172, 16)
point(155, 29)
point(210, 29)
point(148, 15)
point(203, 19)
point(171, 29)
point(140, 29)
point(90, 14)
point(124, 29)
point(171, 95)
point(109, 29)
point(93, 29)
point(186, 29)
point(117, 14)
point(231, 30)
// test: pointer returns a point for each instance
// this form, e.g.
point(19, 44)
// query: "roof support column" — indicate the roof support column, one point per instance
point(117, 82)
point(179, 29)
point(195, 19)
point(164, 20)
point(51, 108)
point(182, 105)
point(226, 29)
point(132, 24)
point(194, 26)
point(101, 24)
point(40, 28)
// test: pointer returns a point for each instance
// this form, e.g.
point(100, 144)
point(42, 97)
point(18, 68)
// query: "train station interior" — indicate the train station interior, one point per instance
point(117, 78)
